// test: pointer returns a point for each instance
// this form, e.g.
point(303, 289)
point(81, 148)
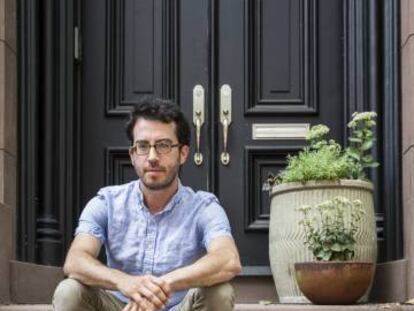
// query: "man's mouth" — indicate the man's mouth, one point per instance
point(154, 170)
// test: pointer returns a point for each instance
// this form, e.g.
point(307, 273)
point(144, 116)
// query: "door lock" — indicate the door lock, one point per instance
point(225, 119)
point(198, 119)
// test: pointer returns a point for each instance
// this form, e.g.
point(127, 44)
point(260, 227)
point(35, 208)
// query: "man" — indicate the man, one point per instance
point(167, 247)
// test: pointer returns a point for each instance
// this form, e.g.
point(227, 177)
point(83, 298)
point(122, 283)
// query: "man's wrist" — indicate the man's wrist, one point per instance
point(118, 278)
point(169, 280)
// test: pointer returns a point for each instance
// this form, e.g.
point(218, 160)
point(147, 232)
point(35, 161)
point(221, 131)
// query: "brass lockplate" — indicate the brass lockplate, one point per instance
point(198, 104)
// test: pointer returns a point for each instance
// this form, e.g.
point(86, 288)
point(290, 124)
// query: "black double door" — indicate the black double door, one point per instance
point(259, 72)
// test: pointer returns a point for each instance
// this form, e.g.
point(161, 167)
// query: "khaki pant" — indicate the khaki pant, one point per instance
point(71, 295)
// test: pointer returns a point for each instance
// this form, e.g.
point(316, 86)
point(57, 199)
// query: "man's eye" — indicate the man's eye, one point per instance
point(163, 145)
point(142, 146)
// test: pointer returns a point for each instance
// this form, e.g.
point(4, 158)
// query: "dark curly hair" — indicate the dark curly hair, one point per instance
point(163, 110)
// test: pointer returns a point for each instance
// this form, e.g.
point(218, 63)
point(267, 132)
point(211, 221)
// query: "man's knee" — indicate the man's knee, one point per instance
point(221, 294)
point(68, 295)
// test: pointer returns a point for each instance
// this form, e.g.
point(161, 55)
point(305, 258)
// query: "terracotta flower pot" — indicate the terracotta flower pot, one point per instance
point(334, 283)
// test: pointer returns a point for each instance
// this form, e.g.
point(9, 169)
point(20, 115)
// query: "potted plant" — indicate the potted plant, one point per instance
point(320, 172)
point(330, 234)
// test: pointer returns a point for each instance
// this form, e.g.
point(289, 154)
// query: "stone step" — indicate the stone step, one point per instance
point(259, 307)
point(308, 307)
point(26, 308)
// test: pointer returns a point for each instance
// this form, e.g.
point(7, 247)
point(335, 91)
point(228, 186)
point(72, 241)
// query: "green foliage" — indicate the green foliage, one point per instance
point(329, 234)
point(323, 164)
point(325, 159)
point(361, 141)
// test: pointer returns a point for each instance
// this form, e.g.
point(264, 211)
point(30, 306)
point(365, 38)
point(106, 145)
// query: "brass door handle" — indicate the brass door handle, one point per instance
point(225, 119)
point(198, 119)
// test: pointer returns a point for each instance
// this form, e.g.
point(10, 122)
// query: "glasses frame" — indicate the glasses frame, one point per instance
point(135, 145)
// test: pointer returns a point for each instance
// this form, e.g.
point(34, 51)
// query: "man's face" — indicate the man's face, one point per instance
point(157, 171)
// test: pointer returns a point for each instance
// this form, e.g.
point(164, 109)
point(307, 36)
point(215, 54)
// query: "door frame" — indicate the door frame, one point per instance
point(49, 85)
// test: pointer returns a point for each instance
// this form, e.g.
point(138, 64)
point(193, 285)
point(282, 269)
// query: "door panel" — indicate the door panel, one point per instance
point(281, 59)
point(280, 55)
point(133, 49)
point(194, 60)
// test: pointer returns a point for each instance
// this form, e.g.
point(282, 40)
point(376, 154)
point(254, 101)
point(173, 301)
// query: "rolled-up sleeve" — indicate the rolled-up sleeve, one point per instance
point(94, 219)
point(213, 222)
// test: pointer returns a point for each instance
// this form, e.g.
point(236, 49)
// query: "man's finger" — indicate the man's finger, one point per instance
point(134, 307)
point(157, 290)
point(163, 284)
point(147, 306)
point(127, 307)
point(154, 295)
point(136, 298)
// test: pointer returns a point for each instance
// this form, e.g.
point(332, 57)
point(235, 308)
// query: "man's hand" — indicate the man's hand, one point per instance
point(146, 306)
point(147, 293)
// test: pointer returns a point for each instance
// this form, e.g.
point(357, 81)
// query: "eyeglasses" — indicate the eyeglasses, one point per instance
point(161, 147)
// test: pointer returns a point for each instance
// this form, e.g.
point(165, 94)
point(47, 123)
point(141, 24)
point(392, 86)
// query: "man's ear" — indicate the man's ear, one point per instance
point(184, 152)
point(131, 156)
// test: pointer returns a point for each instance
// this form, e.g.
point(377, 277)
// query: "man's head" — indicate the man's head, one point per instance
point(161, 110)
point(160, 139)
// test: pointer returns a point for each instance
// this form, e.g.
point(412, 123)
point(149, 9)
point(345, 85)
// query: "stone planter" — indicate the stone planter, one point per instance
point(286, 237)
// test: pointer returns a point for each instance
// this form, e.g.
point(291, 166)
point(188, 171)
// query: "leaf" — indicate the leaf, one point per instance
point(355, 140)
point(336, 247)
point(358, 133)
point(367, 145)
point(320, 254)
point(372, 165)
point(327, 256)
point(368, 158)
point(353, 154)
point(369, 134)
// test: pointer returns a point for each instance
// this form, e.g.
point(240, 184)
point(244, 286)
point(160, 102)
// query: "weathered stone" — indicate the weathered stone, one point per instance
point(8, 23)
point(7, 179)
point(407, 62)
point(8, 100)
point(6, 231)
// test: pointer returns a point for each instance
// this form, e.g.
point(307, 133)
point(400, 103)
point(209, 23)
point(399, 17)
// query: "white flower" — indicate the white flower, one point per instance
point(362, 116)
point(317, 132)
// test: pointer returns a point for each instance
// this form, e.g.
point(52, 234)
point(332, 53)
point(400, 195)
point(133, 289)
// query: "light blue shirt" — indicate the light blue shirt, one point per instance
point(140, 243)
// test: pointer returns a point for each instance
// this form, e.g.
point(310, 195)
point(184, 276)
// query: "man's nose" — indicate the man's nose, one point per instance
point(152, 154)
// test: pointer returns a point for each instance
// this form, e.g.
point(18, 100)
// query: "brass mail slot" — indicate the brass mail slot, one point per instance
point(262, 131)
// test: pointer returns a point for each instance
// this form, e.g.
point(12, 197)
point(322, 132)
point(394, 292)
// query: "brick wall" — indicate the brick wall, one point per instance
point(407, 71)
point(8, 141)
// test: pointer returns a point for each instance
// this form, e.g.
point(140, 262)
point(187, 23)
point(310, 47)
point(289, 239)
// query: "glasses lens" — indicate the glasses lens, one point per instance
point(142, 147)
point(163, 147)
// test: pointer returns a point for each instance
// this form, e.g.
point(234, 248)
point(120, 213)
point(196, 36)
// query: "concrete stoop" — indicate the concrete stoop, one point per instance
point(26, 308)
point(300, 307)
point(258, 307)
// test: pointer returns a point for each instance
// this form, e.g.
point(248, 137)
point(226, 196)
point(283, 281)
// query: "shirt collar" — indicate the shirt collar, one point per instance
point(176, 198)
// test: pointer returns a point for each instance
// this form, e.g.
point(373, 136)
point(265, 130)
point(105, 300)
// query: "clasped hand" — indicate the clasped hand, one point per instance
point(146, 293)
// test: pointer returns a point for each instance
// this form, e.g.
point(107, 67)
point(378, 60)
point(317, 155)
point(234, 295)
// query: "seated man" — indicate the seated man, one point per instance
point(167, 247)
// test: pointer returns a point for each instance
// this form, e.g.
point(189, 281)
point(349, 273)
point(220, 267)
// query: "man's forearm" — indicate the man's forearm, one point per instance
point(209, 270)
point(90, 271)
